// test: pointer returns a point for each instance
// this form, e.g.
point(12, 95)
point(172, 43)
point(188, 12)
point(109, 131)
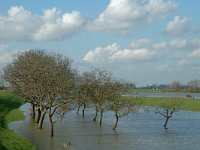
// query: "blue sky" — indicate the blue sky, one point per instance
point(142, 41)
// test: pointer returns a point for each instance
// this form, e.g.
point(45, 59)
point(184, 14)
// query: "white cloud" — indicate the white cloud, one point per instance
point(183, 63)
point(160, 45)
point(184, 43)
point(164, 67)
point(5, 54)
point(113, 53)
point(125, 14)
point(178, 26)
point(195, 42)
point(160, 59)
point(100, 54)
point(147, 43)
point(129, 54)
point(21, 24)
point(195, 53)
point(144, 43)
point(179, 43)
point(177, 51)
point(58, 28)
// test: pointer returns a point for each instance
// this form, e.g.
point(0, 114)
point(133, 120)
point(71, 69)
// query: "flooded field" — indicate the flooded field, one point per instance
point(138, 131)
point(167, 94)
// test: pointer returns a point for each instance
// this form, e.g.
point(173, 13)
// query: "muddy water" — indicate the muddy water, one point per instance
point(138, 131)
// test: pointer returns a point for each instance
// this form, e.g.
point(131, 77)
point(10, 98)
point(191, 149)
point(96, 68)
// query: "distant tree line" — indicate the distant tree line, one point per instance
point(176, 86)
point(191, 86)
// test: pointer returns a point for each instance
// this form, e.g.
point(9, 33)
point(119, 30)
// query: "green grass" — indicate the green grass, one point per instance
point(186, 103)
point(9, 104)
point(14, 115)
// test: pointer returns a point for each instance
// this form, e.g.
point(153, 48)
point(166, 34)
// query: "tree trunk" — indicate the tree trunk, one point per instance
point(116, 122)
point(51, 123)
point(33, 111)
point(78, 109)
point(100, 119)
point(166, 121)
point(52, 130)
point(83, 110)
point(38, 115)
point(95, 117)
point(41, 120)
point(83, 114)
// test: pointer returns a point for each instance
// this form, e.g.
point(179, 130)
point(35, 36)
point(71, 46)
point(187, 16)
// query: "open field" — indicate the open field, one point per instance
point(9, 112)
point(185, 103)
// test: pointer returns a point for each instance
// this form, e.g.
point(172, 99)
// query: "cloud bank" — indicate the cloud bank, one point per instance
point(21, 24)
point(178, 26)
point(126, 14)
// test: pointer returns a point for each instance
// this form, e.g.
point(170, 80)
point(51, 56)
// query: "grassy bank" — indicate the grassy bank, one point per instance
point(185, 103)
point(9, 104)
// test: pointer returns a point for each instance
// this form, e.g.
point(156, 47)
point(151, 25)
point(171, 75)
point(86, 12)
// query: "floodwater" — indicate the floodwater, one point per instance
point(138, 131)
point(167, 94)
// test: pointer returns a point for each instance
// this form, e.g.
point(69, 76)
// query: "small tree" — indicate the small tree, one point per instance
point(120, 108)
point(167, 109)
point(119, 104)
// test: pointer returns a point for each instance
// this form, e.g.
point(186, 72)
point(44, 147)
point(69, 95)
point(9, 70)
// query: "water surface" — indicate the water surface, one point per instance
point(138, 131)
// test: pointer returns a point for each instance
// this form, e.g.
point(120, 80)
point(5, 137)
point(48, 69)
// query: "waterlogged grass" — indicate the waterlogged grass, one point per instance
point(185, 103)
point(14, 115)
point(9, 104)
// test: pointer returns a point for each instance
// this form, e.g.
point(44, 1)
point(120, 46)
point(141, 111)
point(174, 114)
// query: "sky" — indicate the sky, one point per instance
point(141, 41)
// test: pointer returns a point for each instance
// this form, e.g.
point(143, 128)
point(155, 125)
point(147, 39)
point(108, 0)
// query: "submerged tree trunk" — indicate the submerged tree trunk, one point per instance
point(166, 121)
point(41, 119)
point(83, 110)
point(51, 123)
point(95, 117)
point(38, 115)
point(52, 130)
point(116, 121)
point(50, 115)
point(101, 117)
point(33, 111)
point(78, 109)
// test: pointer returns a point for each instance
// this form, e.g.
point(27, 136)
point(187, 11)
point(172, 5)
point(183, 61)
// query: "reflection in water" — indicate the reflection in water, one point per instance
point(138, 131)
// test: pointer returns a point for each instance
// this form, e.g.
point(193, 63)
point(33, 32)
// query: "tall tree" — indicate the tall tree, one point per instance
point(44, 79)
point(83, 91)
point(101, 85)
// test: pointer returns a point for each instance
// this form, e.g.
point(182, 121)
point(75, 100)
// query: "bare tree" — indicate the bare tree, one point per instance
point(119, 104)
point(167, 109)
point(100, 94)
point(121, 108)
point(194, 85)
point(83, 91)
point(175, 86)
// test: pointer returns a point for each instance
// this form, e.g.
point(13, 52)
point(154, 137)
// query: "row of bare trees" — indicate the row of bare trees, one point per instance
point(97, 89)
point(192, 86)
point(53, 87)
